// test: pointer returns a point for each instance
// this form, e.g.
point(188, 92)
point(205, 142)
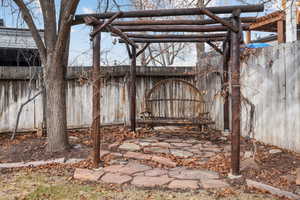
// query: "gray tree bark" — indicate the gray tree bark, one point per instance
point(54, 54)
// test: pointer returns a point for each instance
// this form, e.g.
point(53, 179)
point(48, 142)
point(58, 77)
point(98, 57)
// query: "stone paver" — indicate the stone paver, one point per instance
point(181, 144)
point(132, 168)
point(113, 168)
point(156, 172)
point(149, 140)
point(129, 147)
point(298, 176)
point(156, 150)
point(161, 144)
point(197, 146)
point(116, 178)
point(87, 175)
point(192, 150)
point(211, 149)
point(213, 184)
point(144, 144)
point(192, 141)
point(184, 184)
point(174, 140)
point(116, 155)
point(137, 156)
point(144, 181)
point(206, 154)
point(188, 174)
point(114, 146)
point(103, 153)
point(165, 161)
point(227, 148)
point(180, 153)
point(129, 169)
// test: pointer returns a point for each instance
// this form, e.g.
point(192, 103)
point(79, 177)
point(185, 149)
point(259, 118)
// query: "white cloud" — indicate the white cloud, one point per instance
point(87, 10)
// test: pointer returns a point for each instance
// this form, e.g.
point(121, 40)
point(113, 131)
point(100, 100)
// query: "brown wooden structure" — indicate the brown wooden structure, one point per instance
point(273, 22)
point(175, 102)
point(233, 28)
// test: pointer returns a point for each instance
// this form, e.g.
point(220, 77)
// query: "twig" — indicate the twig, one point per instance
point(20, 111)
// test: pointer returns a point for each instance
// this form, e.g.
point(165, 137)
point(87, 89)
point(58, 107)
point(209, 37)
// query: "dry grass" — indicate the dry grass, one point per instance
point(44, 185)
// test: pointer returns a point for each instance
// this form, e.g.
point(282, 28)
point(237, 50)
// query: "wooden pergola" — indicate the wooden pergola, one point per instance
point(216, 29)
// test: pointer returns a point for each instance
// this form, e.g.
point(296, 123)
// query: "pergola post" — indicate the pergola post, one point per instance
point(235, 95)
point(226, 57)
point(133, 89)
point(96, 99)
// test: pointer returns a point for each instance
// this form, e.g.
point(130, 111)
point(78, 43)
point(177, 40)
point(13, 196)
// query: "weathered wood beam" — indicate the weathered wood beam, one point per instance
point(235, 96)
point(283, 4)
point(105, 24)
point(280, 31)
point(142, 50)
point(133, 89)
point(174, 36)
point(248, 37)
point(128, 50)
point(179, 28)
point(220, 20)
point(124, 37)
point(256, 25)
point(96, 123)
point(91, 21)
point(176, 22)
point(95, 22)
point(172, 12)
point(173, 122)
point(171, 40)
point(215, 47)
point(225, 86)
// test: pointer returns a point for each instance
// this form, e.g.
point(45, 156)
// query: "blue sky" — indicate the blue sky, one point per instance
point(80, 53)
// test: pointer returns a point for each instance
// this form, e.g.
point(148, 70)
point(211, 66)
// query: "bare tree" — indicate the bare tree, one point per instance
point(53, 51)
point(161, 54)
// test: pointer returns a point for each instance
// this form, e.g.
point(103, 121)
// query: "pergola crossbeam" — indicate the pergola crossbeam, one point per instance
point(172, 12)
point(105, 24)
point(176, 28)
point(165, 36)
point(172, 40)
point(142, 50)
point(215, 47)
point(178, 22)
point(220, 20)
point(122, 35)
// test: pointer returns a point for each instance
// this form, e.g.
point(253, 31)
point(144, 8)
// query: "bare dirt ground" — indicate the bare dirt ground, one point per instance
point(264, 163)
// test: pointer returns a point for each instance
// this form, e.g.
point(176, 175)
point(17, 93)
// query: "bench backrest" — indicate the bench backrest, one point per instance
point(175, 98)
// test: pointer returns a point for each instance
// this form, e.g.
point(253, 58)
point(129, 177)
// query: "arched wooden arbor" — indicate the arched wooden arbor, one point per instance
point(175, 102)
point(227, 30)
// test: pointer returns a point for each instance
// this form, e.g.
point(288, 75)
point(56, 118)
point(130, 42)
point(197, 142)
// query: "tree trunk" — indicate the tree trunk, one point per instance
point(57, 138)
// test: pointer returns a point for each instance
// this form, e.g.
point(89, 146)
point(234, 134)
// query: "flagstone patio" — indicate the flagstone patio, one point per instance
point(154, 162)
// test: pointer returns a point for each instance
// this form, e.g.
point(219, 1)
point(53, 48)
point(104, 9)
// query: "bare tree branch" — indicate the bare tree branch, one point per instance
point(34, 31)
